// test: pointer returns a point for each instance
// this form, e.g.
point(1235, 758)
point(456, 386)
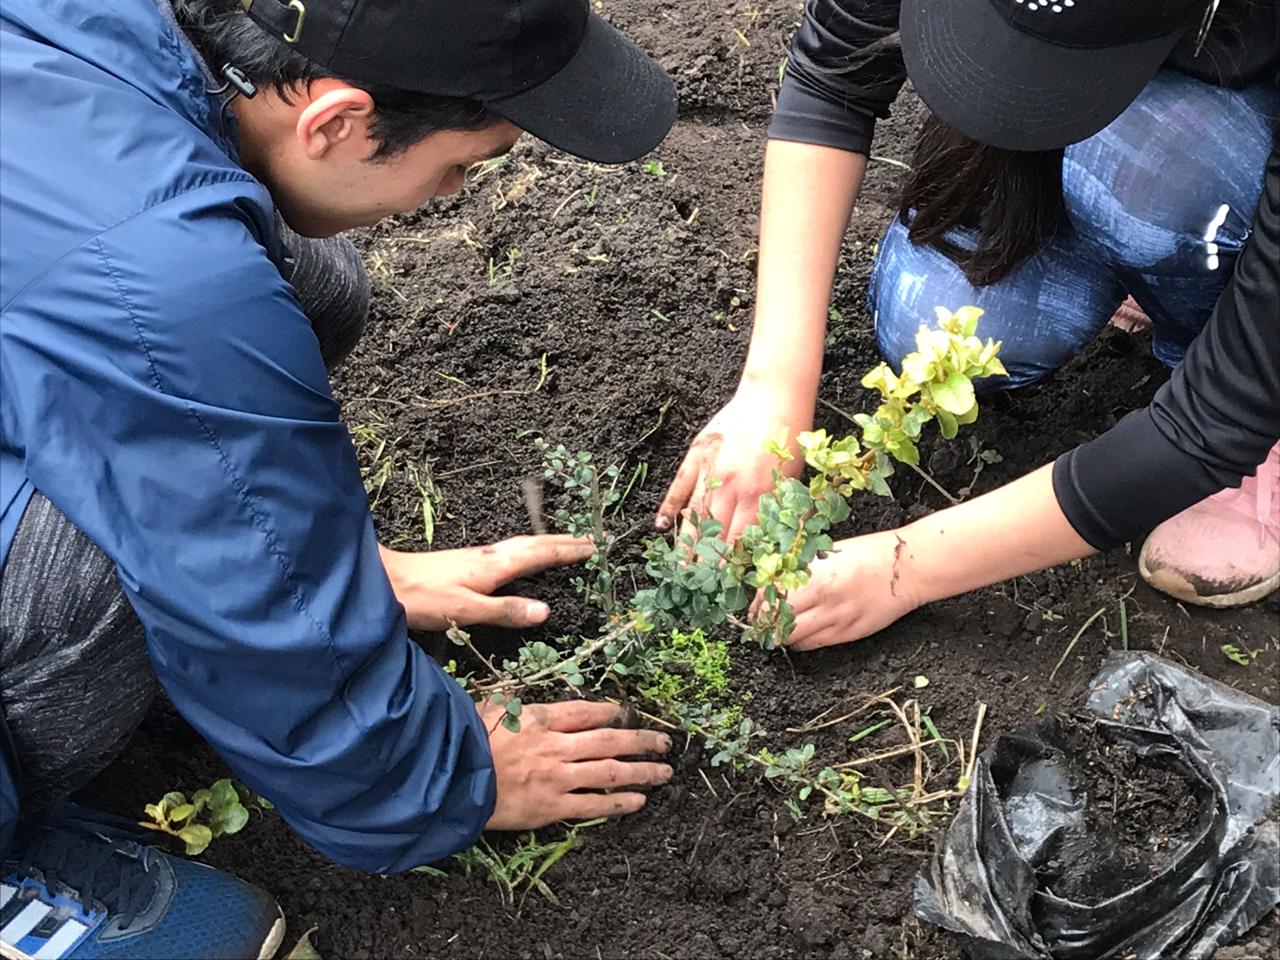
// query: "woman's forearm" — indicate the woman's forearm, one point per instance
point(807, 198)
point(1013, 530)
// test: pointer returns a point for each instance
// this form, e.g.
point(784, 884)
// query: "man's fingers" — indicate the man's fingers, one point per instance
point(608, 774)
point(503, 611)
point(574, 715)
point(522, 556)
point(606, 743)
point(681, 489)
point(588, 806)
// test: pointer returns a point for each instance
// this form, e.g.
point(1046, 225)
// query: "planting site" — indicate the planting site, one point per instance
point(608, 309)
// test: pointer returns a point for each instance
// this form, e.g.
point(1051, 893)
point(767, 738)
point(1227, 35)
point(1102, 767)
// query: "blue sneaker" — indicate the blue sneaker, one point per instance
point(86, 888)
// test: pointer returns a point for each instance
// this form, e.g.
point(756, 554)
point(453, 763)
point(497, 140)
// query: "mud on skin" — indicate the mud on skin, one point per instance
point(638, 290)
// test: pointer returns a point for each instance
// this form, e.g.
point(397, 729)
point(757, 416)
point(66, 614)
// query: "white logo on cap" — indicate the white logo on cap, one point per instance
point(1056, 7)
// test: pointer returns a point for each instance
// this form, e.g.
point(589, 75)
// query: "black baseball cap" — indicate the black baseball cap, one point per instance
point(1038, 74)
point(551, 67)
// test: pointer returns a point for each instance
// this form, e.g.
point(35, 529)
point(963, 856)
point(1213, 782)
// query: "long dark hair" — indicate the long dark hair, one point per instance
point(1012, 200)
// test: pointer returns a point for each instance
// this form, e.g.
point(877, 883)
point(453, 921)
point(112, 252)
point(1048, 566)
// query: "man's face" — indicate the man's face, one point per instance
point(314, 158)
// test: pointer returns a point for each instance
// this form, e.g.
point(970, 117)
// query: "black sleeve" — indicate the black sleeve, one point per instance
point(844, 70)
point(1210, 425)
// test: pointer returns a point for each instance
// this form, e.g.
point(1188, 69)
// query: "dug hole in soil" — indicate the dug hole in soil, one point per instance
point(636, 285)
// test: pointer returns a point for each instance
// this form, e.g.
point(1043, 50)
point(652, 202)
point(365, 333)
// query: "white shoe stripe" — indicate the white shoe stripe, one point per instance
point(66, 936)
point(26, 921)
point(6, 894)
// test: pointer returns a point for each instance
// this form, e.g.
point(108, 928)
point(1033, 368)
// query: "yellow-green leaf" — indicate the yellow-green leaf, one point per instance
point(955, 394)
point(197, 837)
point(304, 950)
point(181, 812)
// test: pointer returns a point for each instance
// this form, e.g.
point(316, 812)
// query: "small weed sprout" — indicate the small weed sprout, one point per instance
point(1238, 655)
point(211, 813)
point(522, 871)
point(654, 168)
point(503, 270)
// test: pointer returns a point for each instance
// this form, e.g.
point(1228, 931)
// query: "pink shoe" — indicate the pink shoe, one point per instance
point(1224, 551)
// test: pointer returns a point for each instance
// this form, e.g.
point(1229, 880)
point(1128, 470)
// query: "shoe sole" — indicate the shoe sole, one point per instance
point(274, 938)
point(268, 950)
point(1178, 587)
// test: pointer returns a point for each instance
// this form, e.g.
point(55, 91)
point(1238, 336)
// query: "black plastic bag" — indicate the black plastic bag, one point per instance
point(1027, 812)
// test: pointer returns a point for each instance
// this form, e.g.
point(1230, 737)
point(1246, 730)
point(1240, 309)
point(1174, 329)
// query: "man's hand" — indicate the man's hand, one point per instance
point(565, 748)
point(442, 587)
point(863, 585)
point(732, 448)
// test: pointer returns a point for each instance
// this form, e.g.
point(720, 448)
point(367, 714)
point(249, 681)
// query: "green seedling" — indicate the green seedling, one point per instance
point(1244, 657)
point(211, 813)
point(934, 734)
point(521, 871)
point(868, 731)
point(503, 270)
point(654, 168)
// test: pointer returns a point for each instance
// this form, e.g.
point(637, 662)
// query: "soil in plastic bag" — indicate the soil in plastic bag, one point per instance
point(1145, 829)
point(1137, 816)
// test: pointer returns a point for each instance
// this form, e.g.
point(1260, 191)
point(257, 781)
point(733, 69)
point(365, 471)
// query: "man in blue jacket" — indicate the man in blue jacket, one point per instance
point(178, 496)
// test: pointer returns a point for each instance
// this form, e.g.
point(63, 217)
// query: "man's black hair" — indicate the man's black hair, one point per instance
point(222, 34)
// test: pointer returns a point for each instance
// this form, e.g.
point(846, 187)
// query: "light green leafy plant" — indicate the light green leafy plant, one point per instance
point(211, 813)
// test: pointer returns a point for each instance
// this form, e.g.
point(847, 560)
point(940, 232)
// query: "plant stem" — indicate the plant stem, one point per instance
point(607, 600)
point(1074, 640)
point(933, 483)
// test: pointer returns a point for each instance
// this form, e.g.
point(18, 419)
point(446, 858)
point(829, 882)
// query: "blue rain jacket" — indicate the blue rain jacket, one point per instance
point(161, 386)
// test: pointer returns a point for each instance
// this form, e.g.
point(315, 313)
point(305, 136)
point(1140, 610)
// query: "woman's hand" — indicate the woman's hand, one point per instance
point(732, 449)
point(442, 587)
point(867, 583)
point(863, 585)
point(564, 753)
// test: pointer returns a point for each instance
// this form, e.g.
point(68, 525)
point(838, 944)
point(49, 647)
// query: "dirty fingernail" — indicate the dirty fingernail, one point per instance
point(662, 523)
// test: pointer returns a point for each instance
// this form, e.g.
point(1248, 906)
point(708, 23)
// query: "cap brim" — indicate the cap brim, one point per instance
point(610, 103)
point(1008, 89)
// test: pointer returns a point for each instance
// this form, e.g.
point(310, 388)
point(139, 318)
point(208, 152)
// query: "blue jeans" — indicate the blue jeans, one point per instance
point(1159, 205)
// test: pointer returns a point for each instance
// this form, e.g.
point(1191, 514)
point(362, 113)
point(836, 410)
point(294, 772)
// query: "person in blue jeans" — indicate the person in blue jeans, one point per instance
point(1077, 156)
point(1132, 229)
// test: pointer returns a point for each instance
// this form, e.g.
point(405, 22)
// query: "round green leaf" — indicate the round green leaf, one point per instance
point(955, 394)
point(230, 820)
point(197, 837)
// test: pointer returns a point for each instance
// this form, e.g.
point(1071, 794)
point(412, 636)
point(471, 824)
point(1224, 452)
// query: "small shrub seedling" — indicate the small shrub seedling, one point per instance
point(667, 646)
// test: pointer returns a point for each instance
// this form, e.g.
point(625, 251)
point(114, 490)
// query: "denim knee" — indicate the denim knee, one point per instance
point(1169, 188)
point(1044, 311)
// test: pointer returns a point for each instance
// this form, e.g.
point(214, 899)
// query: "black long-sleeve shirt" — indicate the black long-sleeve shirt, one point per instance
point(1219, 415)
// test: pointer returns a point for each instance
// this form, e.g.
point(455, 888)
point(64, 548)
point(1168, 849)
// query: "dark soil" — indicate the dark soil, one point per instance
point(637, 290)
point(1140, 814)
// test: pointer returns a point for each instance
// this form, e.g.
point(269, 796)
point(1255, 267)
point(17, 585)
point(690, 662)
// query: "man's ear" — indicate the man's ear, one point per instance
point(336, 113)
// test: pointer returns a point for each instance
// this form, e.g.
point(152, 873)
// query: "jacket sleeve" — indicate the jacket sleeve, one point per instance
point(843, 71)
point(172, 402)
point(1210, 425)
